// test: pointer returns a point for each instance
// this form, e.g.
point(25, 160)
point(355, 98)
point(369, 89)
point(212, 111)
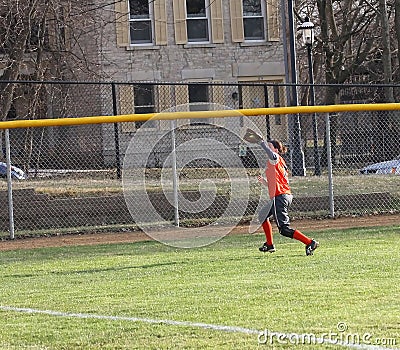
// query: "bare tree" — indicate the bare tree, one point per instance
point(348, 38)
point(45, 40)
point(397, 29)
point(386, 50)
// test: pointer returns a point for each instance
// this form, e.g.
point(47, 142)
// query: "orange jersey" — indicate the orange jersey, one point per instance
point(277, 177)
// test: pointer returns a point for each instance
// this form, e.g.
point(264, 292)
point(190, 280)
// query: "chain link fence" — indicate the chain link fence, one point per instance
point(191, 172)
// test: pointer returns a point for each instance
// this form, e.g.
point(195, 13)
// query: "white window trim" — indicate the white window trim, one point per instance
point(207, 17)
point(264, 17)
point(150, 18)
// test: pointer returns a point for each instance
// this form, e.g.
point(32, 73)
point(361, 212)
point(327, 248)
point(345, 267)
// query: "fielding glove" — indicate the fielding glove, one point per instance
point(252, 137)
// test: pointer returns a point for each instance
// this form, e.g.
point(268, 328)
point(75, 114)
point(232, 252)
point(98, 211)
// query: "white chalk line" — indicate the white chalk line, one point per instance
point(214, 327)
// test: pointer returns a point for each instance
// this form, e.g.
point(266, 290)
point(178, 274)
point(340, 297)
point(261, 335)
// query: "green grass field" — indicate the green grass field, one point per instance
point(149, 296)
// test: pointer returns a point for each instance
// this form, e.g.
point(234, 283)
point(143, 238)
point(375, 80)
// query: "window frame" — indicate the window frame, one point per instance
point(263, 16)
point(150, 124)
point(207, 17)
point(200, 107)
point(139, 19)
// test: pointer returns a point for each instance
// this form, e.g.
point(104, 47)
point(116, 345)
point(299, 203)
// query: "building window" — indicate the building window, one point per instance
point(198, 100)
point(197, 20)
point(140, 20)
point(254, 20)
point(143, 96)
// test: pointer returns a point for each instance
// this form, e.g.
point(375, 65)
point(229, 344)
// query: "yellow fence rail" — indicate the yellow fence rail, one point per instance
point(38, 123)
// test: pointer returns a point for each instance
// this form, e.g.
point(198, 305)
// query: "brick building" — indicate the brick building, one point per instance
point(146, 44)
point(192, 42)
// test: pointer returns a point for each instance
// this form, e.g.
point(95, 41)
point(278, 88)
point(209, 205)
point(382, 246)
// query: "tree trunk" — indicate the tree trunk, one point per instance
point(386, 52)
point(397, 27)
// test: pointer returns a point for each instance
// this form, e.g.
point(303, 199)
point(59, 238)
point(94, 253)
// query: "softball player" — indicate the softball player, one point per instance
point(280, 194)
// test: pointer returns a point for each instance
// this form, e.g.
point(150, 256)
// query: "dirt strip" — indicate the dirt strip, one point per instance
point(109, 238)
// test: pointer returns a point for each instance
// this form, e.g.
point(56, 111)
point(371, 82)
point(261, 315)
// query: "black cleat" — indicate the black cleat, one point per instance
point(311, 247)
point(265, 248)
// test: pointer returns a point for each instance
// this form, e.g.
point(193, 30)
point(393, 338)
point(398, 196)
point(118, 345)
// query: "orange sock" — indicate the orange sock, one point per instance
point(267, 227)
point(302, 238)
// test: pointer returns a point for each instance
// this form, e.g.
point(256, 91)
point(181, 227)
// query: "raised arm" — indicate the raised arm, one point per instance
point(271, 155)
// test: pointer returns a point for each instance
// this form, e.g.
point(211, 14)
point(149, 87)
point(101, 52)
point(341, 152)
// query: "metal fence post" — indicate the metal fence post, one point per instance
point(116, 132)
point(329, 156)
point(317, 162)
point(9, 185)
point(266, 105)
point(175, 184)
point(298, 162)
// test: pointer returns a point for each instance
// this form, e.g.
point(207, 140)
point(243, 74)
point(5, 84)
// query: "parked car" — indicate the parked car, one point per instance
point(16, 173)
point(388, 167)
